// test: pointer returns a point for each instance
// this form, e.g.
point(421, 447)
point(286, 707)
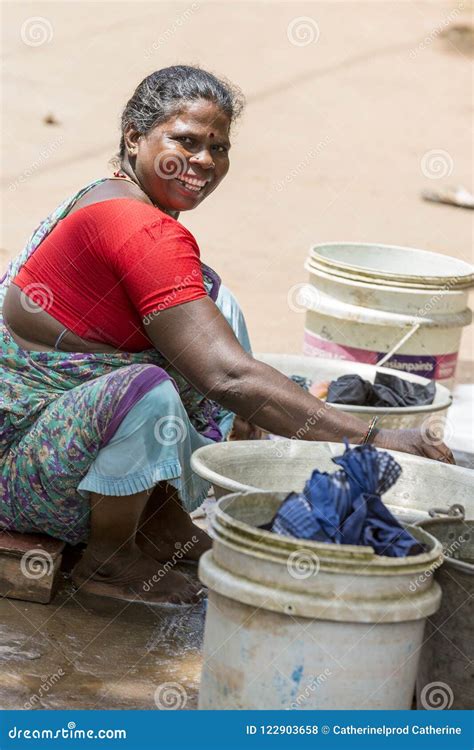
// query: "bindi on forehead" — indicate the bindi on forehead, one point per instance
point(211, 135)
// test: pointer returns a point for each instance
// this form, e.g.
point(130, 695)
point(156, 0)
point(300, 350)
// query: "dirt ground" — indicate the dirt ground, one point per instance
point(346, 103)
point(353, 109)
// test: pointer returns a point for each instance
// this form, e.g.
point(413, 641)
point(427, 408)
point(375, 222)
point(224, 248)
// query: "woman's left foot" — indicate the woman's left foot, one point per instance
point(166, 531)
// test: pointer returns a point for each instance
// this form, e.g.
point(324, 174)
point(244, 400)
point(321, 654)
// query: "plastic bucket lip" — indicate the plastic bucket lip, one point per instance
point(314, 605)
point(199, 464)
point(444, 403)
point(379, 411)
point(393, 282)
point(380, 286)
point(461, 271)
point(342, 554)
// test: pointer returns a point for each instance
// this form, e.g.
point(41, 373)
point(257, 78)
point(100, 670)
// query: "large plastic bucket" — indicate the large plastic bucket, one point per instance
point(394, 418)
point(293, 624)
point(285, 466)
point(446, 672)
point(363, 299)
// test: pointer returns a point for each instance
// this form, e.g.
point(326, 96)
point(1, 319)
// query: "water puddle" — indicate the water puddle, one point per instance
point(109, 655)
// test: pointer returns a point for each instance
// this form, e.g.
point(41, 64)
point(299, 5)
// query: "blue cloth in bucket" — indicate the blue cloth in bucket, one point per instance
point(346, 507)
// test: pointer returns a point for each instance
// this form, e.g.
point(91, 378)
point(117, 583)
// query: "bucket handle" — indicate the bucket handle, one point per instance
point(398, 345)
point(456, 511)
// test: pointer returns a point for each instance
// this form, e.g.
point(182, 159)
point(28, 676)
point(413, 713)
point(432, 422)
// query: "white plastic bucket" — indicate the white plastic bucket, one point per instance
point(293, 624)
point(362, 299)
point(391, 418)
point(285, 465)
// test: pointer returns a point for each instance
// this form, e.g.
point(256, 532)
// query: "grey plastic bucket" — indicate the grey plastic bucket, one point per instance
point(295, 624)
point(285, 465)
point(446, 672)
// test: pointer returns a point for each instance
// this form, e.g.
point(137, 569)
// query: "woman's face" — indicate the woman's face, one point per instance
point(181, 161)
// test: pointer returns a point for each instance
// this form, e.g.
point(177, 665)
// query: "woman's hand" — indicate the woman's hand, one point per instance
point(418, 442)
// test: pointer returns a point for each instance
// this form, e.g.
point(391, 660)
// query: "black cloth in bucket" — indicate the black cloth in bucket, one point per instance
point(386, 391)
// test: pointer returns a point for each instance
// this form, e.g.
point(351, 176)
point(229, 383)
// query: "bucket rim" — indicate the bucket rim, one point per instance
point(381, 411)
point(308, 604)
point(343, 555)
point(381, 287)
point(431, 284)
point(462, 277)
point(199, 464)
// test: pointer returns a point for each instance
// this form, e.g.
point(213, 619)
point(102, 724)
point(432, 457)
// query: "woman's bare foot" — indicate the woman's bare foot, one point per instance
point(185, 546)
point(166, 532)
point(132, 575)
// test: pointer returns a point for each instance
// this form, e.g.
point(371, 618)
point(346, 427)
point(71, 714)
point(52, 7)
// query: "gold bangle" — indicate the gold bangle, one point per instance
point(369, 432)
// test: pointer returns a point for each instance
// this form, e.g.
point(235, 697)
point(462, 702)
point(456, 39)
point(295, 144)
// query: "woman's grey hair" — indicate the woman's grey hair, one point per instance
point(163, 93)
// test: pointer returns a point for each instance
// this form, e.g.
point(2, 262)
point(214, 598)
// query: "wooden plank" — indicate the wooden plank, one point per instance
point(29, 566)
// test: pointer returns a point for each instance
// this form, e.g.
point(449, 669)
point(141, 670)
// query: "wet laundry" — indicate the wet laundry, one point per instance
point(386, 391)
point(346, 507)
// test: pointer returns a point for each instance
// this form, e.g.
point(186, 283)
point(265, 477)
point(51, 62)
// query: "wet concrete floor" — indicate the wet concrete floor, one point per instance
point(112, 655)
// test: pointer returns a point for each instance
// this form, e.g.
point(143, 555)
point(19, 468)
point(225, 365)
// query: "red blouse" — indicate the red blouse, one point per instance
point(107, 268)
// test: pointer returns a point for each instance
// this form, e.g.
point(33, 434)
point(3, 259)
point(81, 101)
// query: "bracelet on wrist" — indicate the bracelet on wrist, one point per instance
point(371, 432)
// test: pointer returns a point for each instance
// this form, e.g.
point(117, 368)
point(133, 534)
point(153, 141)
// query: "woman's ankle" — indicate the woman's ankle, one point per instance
point(101, 553)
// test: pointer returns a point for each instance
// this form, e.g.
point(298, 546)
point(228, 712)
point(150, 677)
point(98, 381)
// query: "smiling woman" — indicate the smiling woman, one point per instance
point(176, 135)
point(121, 354)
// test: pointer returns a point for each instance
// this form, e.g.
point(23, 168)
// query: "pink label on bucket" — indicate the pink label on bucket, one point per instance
point(437, 367)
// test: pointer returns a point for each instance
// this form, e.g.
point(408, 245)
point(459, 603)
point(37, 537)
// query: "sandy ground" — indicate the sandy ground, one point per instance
point(330, 148)
point(342, 108)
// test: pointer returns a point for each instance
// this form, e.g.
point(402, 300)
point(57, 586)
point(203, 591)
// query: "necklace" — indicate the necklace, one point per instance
point(124, 176)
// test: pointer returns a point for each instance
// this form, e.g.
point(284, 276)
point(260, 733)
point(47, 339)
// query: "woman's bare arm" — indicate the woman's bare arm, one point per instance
point(196, 338)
